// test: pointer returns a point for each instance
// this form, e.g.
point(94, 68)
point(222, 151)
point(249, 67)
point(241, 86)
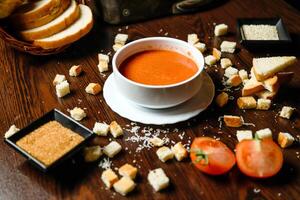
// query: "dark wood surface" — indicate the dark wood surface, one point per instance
point(26, 93)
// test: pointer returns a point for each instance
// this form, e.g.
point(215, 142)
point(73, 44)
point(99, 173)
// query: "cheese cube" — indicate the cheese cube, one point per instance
point(179, 151)
point(115, 129)
point(116, 47)
point(222, 99)
point(243, 74)
point(244, 135)
point(246, 102)
point(234, 81)
point(230, 71)
point(192, 38)
point(109, 177)
point(102, 66)
point(121, 38)
point(263, 104)
point(285, 139)
point(58, 79)
point(158, 179)
point(216, 53)
point(210, 60)
point(225, 62)
point(264, 133)
point(77, 113)
point(221, 29)
point(128, 170)
point(92, 154)
point(233, 121)
point(112, 149)
point(11, 131)
point(101, 129)
point(124, 186)
point(286, 112)
point(75, 70)
point(93, 88)
point(200, 46)
point(157, 142)
point(62, 89)
point(103, 57)
point(228, 47)
point(164, 153)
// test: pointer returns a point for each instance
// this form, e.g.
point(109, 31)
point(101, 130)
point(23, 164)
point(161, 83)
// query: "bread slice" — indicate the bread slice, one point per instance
point(265, 94)
point(251, 87)
point(266, 67)
point(22, 22)
point(68, 17)
point(73, 33)
point(272, 84)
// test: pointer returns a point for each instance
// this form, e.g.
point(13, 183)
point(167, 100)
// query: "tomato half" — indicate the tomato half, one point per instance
point(259, 158)
point(211, 156)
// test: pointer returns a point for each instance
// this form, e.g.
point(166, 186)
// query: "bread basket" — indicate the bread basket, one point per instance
point(27, 47)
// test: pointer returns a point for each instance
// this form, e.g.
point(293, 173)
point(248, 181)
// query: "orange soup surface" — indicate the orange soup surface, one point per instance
point(158, 67)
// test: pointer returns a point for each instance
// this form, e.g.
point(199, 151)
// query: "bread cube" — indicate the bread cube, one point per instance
point(164, 154)
point(103, 57)
point(101, 129)
point(263, 104)
point(234, 81)
point(222, 99)
point(265, 94)
point(243, 74)
point(102, 66)
point(128, 170)
point(200, 46)
point(93, 88)
point(192, 38)
point(158, 179)
point(286, 112)
point(264, 133)
point(11, 131)
point(228, 47)
point(285, 139)
point(233, 121)
point(75, 70)
point(124, 186)
point(216, 53)
point(112, 149)
point(221, 29)
point(179, 151)
point(230, 71)
point(77, 113)
point(58, 79)
point(244, 135)
point(246, 102)
point(92, 154)
point(109, 177)
point(157, 142)
point(62, 89)
point(210, 60)
point(225, 62)
point(116, 47)
point(121, 38)
point(115, 129)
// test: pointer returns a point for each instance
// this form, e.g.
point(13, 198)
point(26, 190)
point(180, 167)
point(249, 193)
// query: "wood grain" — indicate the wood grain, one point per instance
point(26, 93)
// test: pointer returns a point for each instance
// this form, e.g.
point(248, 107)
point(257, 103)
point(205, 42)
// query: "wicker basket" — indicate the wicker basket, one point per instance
point(27, 47)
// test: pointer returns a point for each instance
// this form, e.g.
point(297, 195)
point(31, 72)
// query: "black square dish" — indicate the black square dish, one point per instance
point(284, 37)
point(53, 115)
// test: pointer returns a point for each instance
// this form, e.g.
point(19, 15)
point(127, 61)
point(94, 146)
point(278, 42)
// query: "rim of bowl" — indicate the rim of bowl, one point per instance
point(116, 69)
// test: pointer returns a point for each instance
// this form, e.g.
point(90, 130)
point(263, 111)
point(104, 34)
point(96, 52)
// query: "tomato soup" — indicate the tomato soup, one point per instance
point(158, 67)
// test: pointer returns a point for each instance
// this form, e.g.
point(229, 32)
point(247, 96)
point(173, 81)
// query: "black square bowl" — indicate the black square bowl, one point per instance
point(66, 121)
point(284, 37)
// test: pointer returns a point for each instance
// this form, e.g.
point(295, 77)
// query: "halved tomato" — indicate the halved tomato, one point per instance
point(211, 156)
point(259, 158)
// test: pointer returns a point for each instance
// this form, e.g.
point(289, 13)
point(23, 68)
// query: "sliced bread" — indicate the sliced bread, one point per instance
point(266, 67)
point(272, 84)
point(251, 87)
point(68, 17)
point(71, 34)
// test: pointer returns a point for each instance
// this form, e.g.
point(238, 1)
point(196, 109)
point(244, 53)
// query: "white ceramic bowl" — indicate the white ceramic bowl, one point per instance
point(153, 96)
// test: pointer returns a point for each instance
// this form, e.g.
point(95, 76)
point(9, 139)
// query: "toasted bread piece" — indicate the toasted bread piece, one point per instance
point(222, 99)
point(263, 104)
point(272, 84)
point(234, 81)
point(266, 94)
point(251, 87)
point(68, 17)
point(266, 67)
point(233, 121)
point(225, 62)
point(246, 102)
point(216, 53)
point(73, 33)
point(285, 139)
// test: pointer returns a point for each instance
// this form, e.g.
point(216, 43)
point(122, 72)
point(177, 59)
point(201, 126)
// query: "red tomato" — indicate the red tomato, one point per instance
point(259, 158)
point(211, 156)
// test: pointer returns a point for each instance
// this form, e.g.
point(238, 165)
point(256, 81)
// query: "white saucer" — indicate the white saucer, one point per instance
point(182, 112)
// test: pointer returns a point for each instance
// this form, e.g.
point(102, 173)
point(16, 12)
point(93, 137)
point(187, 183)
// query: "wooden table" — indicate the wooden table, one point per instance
point(27, 93)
